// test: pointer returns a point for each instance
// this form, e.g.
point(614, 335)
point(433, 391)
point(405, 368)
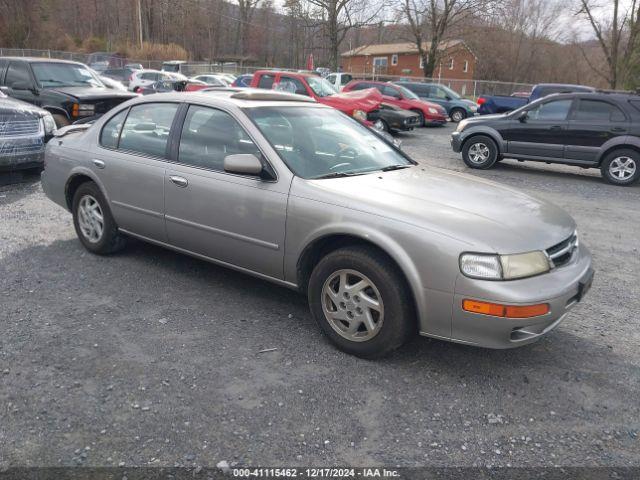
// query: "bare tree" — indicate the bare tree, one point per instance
point(246, 9)
point(341, 16)
point(617, 36)
point(431, 20)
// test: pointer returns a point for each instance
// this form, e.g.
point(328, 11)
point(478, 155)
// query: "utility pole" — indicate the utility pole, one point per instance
point(140, 23)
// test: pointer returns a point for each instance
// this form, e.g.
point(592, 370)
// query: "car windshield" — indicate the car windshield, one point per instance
point(323, 143)
point(407, 93)
point(450, 92)
point(64, 75)
point(321, 87)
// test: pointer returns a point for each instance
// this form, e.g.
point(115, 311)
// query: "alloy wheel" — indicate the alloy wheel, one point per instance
point(352, 305)
point(457, 116)
point(622, 168)
point(90, 218)
point(479, 153)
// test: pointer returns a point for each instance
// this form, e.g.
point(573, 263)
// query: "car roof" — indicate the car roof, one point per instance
point(241, 97)
point(286, 72)
point(41, 59)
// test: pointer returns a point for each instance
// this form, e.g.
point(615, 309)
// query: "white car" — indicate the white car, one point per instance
point(339, 79)
point(144, 78)
point(213, 79)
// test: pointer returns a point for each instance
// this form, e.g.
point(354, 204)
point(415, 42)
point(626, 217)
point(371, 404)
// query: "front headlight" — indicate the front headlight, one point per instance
point(503, 267)
point(49, 124)
point(473, 107)
point(432, 111)
point(359, 115)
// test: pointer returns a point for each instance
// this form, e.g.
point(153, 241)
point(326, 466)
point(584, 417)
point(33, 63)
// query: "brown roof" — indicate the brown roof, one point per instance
point(391, 48)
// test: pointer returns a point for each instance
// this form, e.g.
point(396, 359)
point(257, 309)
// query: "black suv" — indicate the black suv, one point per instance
point(588, 130)
point(69, 90)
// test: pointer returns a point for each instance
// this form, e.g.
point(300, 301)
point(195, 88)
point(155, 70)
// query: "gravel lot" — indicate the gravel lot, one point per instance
point(149, 357)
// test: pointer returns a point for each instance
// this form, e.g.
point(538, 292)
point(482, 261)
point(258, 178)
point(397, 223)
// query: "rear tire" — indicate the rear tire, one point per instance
point(480, 152)
point(457, 115)
point(621, 167)
point(361, 302)
point(93, 222)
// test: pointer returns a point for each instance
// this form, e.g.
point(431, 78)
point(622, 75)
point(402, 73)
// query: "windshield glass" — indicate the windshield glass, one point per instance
point(450, 92)
point(321, 87)
point(64, 75)
point(407, 93)
point(322, 142)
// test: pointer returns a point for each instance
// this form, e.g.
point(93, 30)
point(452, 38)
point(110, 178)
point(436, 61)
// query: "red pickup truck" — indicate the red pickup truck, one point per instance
point(355, 104)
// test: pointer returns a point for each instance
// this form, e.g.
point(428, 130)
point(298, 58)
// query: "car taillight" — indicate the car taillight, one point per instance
point(481, 100)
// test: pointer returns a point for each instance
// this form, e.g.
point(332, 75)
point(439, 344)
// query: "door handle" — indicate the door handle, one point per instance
point(179, 181)
point(555, 127)
point(99, 163)
point(618, 130)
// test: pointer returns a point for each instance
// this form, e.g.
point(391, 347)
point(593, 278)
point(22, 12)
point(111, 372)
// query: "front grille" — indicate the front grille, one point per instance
point(20, 128)
point(24, 147)
point(561, 253)
point(412, 120)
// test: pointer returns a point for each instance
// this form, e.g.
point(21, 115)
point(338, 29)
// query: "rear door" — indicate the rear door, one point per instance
point(593, 123)
point(131, 161)
point(543, 132)
point(235, 219)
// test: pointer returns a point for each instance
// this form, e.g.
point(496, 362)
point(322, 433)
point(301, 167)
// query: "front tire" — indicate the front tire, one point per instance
point(621, 167)
point(93, 222)
point(421, 121)
point(457, 115)
point(381, 125)
point(360, 300)
point(480, 152)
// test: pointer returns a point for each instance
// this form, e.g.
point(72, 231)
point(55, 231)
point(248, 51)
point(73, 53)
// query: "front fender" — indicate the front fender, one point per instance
point(484, 130)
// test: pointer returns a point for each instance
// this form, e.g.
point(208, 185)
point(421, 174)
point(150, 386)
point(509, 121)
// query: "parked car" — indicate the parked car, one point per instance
point(457, 108)
point(502, 103)
point(143, 78)
point(390, 118)
point(430, 113)
point(70, 91)
point(323, 71)
point(339, 79)
point(384, 248)
point(112, 84)
point(164, 86)
point(134, 66)
point(122, 75)
point(100, 61)
point(243, 80)
point(175, 66)
point(355, 104)
point(588, 130)
point(24, 130)
point(213, 80)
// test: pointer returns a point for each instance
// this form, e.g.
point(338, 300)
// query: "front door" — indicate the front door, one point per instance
point(131, 162)
point(21, 84)
point(541, 133)
point(593, 122)
point(236, 219)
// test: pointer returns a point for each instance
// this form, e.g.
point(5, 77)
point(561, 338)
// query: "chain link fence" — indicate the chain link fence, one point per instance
point(467, 88)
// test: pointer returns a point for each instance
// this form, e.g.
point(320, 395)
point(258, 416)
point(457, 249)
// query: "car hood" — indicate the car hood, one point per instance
point(10, 107)
point(487, 216)
point(92, 93)
point(365, 100)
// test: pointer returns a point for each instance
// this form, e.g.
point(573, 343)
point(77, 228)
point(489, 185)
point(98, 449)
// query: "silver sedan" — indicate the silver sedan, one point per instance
point(297, 193)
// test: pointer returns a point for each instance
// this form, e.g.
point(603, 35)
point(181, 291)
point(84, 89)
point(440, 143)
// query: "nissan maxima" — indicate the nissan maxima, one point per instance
point(297, 193)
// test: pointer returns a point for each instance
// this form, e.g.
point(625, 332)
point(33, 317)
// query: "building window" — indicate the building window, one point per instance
point(465, 68)
point(380, 63)
point(451, 63)
point(394, 59)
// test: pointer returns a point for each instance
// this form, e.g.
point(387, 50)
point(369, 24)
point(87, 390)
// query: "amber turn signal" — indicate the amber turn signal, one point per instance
point(507, 311)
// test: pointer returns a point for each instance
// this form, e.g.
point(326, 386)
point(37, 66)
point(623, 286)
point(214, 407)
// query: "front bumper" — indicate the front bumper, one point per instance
point(456, 142)
point(561, 288)
point(21, 153)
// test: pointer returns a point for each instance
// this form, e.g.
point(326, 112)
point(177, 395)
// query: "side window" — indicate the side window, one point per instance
point(439, 93)
point(209, 135)
point(147, 127)
point(3, 67)
point(331, 78)
point(551, 111)
point(111, 131)
point(598, 111)
point(390, 92)
point(292, 85)
point(361, 86)
point(345, 79)
point(18, 72)
point(266, 81)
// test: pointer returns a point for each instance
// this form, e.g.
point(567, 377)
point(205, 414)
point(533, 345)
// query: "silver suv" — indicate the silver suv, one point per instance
point(297, 193)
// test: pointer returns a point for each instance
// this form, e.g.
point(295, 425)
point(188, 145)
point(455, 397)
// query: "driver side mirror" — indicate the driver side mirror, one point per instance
point(522, 117)
point(243, 164)
point(447, 98)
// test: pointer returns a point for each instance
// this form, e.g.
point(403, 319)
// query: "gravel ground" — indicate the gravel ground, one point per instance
point(149, 357)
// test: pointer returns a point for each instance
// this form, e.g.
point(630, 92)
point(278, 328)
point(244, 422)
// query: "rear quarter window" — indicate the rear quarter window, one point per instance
point(266, 81)
point(147, 128)
point(111, 131)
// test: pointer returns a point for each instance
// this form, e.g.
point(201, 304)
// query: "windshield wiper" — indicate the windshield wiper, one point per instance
point(337, 175)
point(394, 167)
